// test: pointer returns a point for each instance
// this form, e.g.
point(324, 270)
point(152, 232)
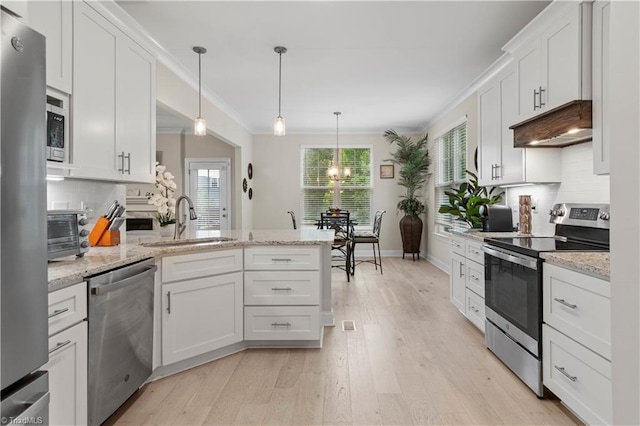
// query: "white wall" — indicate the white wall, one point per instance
point(176, 95)
point(276, 181)
point(438, 247)
point(624, 136)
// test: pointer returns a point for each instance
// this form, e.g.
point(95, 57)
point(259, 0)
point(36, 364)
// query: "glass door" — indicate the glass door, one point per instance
point(208, 187)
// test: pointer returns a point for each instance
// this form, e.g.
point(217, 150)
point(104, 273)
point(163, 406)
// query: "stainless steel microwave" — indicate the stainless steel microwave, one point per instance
point(67, 233)
point(57, 130)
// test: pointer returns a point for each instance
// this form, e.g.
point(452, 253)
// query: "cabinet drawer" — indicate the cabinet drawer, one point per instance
point(67, 307)
point(281, 323)
point(474, 309)
point(475, 278)
point(474, 252)
point(578, 376)
point(579, 306)
point(196, 265)
point(458, 245)
point(281, 288)
point(67, 367)
point(282, 258)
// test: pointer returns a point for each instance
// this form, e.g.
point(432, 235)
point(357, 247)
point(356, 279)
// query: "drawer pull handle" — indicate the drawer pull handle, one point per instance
point(281, 260)
point(564, 372)
point(281, 288)
point(168, 303)
point(563, 302)
point(59, 346)
point(280, 324)
point(58, 312)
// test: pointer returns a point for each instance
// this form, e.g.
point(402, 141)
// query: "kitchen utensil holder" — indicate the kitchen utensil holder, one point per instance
point(101, 236)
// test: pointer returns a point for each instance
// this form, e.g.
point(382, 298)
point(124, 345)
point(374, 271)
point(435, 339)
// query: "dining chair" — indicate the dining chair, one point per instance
point(341, 247)
point(293, 219)
point(369, 237)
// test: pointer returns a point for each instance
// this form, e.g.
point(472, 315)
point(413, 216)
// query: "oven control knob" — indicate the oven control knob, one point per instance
point(561, 213)
point(604, 215)
point(84, 244)
point(83, 222)
point(84, 233)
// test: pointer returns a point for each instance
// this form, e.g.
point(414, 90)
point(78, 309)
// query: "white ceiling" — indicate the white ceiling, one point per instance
point(383, 64)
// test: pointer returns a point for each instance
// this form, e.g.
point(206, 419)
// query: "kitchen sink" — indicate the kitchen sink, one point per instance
point(171, 243)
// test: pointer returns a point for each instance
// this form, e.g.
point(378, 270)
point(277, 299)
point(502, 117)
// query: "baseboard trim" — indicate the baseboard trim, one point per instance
point(438, 264)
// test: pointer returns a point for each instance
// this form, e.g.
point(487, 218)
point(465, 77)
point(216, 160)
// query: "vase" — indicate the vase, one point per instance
point(411, 233)
point(168, 230)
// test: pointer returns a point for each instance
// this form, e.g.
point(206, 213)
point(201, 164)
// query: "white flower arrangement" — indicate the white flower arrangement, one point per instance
point(164, 200)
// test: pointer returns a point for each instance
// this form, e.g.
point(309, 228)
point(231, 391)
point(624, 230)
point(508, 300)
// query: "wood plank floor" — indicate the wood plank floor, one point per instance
point(412, 360)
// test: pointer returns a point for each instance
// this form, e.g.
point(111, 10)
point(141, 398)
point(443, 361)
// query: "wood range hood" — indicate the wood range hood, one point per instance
point(568, 124)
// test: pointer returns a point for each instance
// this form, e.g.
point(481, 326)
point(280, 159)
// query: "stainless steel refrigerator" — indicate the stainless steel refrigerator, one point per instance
point(23, 224)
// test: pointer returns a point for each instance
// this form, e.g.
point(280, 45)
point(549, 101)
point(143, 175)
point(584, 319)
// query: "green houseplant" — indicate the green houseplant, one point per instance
point(465, 201)
point(412, 158)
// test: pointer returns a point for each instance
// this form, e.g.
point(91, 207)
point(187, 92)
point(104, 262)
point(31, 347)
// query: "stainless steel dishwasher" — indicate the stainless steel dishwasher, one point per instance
point(120, 336)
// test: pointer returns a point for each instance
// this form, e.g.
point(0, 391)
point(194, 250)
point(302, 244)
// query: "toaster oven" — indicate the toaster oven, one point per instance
point(67, 233)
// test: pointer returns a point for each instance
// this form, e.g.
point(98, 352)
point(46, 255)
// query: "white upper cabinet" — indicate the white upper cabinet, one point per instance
point(94, 87)
point(499, 162)
point(135, 112)
point(553, 58)
point(113, 110)
point(53, 19)
point(601, 77)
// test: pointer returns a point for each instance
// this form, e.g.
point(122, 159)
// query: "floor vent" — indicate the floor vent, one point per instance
point(348, 325)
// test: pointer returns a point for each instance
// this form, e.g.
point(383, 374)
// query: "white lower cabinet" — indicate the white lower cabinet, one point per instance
point(467, 279)
point(200, 315)
point(282, 293)
point(577, 342)
point(282, 322)
point(67, 364)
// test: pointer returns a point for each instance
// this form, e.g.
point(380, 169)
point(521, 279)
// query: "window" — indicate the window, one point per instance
point(320, 193)
point(450, 169)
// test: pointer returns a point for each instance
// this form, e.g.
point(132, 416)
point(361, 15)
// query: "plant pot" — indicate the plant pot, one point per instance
point(411, 232)
point(168, 230)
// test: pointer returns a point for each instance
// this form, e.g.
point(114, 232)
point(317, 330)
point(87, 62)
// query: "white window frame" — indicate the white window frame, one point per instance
point(442, 227)
point(370, 187)
point(225, 223)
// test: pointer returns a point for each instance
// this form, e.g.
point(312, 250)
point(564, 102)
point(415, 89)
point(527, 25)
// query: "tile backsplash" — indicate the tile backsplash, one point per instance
point(579, 185)
point(92, 196)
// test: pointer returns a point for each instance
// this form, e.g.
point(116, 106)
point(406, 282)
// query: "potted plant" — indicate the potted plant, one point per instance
point(164, 201)
point(465, 201)
point(412, 158)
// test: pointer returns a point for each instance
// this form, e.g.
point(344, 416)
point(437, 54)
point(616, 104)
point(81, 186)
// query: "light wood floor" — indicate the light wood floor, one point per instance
point(414, 359)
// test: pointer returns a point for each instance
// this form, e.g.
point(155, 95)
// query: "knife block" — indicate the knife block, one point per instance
point(101, 236)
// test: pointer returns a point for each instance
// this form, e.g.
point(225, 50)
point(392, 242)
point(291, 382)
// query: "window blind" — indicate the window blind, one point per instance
point(320, 193)
point(208, 199)
point(450, 168)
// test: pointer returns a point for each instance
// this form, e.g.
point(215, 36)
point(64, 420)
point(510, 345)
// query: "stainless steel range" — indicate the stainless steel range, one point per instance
point(513, 284)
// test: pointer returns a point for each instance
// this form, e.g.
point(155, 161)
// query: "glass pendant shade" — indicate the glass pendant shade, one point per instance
point(200, 127)
point(279, 128)
point(346, 172)
point(200, 124)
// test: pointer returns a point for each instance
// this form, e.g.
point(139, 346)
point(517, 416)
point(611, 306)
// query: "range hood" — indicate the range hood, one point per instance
point(568, 124)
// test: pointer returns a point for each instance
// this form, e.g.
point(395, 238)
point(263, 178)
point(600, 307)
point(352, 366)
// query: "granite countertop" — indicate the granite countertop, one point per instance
point(70, 270)
point(596, 264)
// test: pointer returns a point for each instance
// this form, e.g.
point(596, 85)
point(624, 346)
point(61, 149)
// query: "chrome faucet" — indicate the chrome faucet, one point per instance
point(180, 227)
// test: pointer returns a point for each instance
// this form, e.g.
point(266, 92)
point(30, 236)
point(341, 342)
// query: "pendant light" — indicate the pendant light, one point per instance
point(334, 170)
point(200, 124)
point(279, 128)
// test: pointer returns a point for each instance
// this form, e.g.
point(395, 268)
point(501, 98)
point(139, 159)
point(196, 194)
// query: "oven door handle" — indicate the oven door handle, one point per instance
point(527, 262)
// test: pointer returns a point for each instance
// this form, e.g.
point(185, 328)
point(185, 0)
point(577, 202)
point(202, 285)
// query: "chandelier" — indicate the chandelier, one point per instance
point(334, 170)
